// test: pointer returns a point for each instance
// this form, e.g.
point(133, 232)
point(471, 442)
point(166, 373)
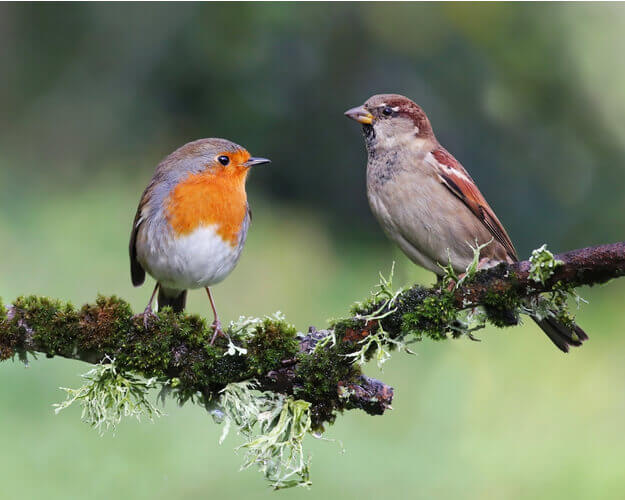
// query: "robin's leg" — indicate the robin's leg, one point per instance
point(216, 323)
point(148, 312)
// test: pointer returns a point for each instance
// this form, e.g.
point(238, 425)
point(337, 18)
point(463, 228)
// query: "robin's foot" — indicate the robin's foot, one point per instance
point(148, 314)
point(218, 331)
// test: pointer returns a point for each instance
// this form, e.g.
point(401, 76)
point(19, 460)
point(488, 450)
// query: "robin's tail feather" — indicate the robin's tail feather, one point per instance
point(563, 336)
point(176, 299)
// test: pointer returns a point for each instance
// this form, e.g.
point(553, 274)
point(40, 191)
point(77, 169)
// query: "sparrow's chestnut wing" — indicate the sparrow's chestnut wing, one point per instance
point(453, 175)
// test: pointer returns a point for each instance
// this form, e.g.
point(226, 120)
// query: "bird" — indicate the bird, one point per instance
point(192, 222)
point(428, 204)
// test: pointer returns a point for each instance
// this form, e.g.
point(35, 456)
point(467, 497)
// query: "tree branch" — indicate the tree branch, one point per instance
point(585, 266)
point(317, 366)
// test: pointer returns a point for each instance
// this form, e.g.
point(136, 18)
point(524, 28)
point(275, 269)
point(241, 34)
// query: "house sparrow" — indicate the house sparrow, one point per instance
point(427, 202)
point(192, 222)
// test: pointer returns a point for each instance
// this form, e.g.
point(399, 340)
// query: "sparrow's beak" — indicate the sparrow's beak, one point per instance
point(256, 161)
point(360, 114)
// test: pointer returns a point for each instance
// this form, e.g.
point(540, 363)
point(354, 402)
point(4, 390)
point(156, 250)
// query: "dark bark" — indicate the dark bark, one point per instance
point(107, 329)
point(585, 266)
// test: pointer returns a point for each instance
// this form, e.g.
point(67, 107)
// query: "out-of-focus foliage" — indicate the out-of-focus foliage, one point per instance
point(529, 97)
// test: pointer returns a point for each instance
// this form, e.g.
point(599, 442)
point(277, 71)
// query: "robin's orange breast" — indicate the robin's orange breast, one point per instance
point(209, 198)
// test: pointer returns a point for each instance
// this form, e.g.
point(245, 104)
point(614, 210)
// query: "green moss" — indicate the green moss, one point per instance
point(409, 301)
point(6, 351)
point(318, 375)
point(180, 343)
point(105, 324)
point(57, 328)
point(431, 318)
point(418, 312)
point(349, 332)
point(7, 341)
point(502, 308)
point(51, 324)
point(171, 344)
point(271, 342)
point(500, 271)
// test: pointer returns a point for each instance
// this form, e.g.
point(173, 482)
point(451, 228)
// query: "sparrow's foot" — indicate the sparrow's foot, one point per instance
point(484, 263)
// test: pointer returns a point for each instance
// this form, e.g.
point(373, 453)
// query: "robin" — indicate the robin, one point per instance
point(192, 222)
point(428, 203)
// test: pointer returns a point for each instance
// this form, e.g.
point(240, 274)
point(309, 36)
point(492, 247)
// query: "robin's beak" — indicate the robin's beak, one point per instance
point(256, 161)
point(360, 114)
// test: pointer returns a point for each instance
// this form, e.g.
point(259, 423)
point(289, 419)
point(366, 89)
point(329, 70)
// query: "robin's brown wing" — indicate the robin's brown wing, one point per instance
point(459, 182)
point(137, 273)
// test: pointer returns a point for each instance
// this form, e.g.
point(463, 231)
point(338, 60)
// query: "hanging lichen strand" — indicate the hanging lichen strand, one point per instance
point(274, 384)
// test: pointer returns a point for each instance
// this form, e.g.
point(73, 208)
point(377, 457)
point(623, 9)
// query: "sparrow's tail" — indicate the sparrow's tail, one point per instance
point(176, 299)
point(563, 336)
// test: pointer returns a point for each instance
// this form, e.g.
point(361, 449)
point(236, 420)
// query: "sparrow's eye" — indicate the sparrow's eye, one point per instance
point(388, 111)
point(224, 160)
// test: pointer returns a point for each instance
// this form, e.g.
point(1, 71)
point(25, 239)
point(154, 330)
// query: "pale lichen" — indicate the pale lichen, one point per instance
point(543, 264)
point(109, 395)
point(449, 275)
point(274, 427)
point(386, 296)
point(246, 326)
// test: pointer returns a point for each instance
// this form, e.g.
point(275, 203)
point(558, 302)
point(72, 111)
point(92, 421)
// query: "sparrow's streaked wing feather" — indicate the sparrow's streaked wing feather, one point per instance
point(453, 175)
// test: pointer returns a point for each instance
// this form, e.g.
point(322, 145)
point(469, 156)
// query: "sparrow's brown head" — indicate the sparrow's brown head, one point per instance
point(392, 120)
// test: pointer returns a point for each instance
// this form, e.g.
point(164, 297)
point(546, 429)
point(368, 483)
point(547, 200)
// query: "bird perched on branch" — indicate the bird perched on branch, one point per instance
point(192, 222)
point(428, 203)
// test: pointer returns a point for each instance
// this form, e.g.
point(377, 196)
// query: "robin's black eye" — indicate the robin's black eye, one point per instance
point(224, 160)
point(388, 111)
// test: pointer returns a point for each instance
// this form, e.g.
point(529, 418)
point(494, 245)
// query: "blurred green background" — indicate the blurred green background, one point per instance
point(530, 99)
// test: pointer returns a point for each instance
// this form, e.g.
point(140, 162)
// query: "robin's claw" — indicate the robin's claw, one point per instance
point(148, 314)
point(145, 317)
point(218, 331)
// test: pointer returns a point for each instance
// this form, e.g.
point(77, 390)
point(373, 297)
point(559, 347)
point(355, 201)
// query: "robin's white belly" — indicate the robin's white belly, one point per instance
point(199, 259)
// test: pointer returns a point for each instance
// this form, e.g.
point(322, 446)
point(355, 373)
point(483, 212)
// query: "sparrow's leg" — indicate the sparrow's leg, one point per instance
point(148, 312)
point(484, 263)
point(216, 323)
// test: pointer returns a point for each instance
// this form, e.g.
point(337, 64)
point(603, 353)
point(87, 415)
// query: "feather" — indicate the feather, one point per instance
point(453, 175)
point(137, 273)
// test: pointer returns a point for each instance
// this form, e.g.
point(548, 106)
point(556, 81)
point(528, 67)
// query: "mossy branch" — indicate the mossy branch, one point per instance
point(176, 347)
point(585, 266)
point(305, 379)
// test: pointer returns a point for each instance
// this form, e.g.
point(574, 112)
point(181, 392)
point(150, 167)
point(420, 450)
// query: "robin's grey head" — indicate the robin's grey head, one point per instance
point(216, 155)
point(390, 121)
